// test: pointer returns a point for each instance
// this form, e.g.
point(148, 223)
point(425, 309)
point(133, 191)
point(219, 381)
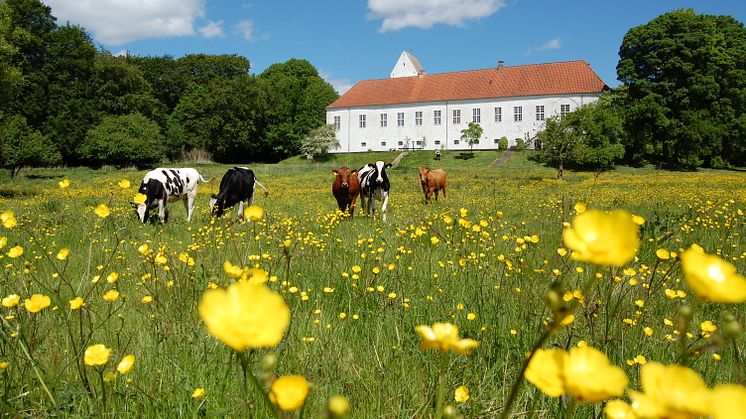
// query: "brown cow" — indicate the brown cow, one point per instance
point(346, 188)
point(432, 181)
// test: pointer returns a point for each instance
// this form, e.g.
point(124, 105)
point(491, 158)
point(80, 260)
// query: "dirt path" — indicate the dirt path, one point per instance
point(502, 159)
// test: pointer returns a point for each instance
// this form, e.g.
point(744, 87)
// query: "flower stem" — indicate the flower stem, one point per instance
point(248, 375)
point(440, 391)
point(519, 379)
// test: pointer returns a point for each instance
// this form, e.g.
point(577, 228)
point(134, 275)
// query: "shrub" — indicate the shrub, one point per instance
point(124, 140)
point(502, 143)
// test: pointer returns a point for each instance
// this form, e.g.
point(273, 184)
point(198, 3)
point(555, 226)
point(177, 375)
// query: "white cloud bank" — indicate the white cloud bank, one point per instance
point(552, 44)
point(423, 14)
point(116, 22)
point(212, 29)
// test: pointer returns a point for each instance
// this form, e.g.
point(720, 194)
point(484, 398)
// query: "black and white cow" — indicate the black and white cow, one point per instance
point(236, 187)
point(374, 184)
point(163, 185)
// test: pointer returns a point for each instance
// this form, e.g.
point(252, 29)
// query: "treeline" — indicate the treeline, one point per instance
point(64, 101)
point(680, 104)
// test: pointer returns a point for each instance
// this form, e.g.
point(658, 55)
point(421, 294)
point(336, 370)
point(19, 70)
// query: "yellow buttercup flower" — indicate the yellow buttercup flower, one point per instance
point(102, 211)
point(64, 183)
point(670, 391)
point(257, 275)
point(254, 213)
point(338, 407)
point(603, 238)
point(8, 219)
point(198, 393)
point(15, 251)
point(139, 198)
point(37, 303)
point(289, 392)
point(711, 277)
point(461, 394)
point(582, 372)
point(663, 254)
point(580, 207)
point(3, 241)
point(111, 295)
point(126, 364)
point(444, 337)
point(96, 355)
point(618, 409)
point(76, 303)
point(728, 401)
point(11, 300)
point(245, 315)
point(124, 184)
point(63, 253)
point(434, 240)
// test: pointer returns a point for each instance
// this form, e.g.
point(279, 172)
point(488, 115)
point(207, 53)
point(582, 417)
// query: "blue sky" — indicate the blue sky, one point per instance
point(348, 41)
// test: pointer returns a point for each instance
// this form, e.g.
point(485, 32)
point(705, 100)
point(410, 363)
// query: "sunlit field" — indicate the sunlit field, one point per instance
point(489, 259)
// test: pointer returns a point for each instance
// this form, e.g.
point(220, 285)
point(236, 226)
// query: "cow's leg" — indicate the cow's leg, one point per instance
point(384, 205)
point(364, 204)
point(189, 204)
point(436, 194)
point(444, 192)
point(161, 211)
point(240, 209)
point(352, 206)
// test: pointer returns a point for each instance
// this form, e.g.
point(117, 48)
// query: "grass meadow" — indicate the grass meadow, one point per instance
point(482, 259)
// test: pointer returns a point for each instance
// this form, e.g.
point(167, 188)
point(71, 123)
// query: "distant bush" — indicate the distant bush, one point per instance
point(21, 145)
point(124, 140)
point(502, 143)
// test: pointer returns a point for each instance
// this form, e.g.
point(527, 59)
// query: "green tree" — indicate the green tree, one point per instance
point(123, 140)
point(472, 134)
point(319, 142)
point(684, 77)
point(121, 89)
point(22, 145)
point(557, 141)
point(227, 118)
point(298, 98)
point(502, 143)
point(11, 77)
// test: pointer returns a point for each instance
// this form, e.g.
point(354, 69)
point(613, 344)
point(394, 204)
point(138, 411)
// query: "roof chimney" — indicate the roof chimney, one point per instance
point(500, 64)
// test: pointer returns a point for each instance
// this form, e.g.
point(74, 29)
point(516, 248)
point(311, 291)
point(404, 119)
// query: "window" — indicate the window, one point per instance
point(383, 143)
point(401, 143)
point(436, 117)
point(564, 110)
point(437, 142)
point(362, 121)
point(384, 120)
point(540, 113)
point(476, 115)
point(337, 123)
point(400, 119)
point(517, 113)
point(418, 142)
point(418, 118)
point(455, 141)
point(498, 114)
point(457, 116)
point(363, 144)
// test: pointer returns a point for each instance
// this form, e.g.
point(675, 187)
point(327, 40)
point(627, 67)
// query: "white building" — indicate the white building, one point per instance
point(416, 110)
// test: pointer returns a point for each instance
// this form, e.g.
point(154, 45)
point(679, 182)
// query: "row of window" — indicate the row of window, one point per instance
point(418, 143)
point(437, 116)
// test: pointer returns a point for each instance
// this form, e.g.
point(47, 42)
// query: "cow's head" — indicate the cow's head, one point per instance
point(216, 207)
point(380, 168)
point(153, 190)
point(344, 174)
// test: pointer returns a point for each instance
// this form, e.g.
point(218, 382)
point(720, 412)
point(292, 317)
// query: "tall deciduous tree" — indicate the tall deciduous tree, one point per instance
point(319, 142)
point(22, 145)
point(685, 80)
point(124, 140)
point(299, 97)
point(10, 75)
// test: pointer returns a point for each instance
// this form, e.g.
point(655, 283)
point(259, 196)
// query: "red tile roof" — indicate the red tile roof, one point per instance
point(571, 77)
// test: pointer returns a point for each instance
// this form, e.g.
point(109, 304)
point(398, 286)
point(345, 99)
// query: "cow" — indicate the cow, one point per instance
point(432, 181)
point(163, 185)
point(346, 188)
point(374, 183)
point(236, 187)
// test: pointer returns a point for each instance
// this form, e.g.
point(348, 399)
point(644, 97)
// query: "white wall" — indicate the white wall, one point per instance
point(447, 135)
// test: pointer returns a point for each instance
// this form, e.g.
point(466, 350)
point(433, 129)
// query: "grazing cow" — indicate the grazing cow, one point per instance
point(236, 187)
point(346, 188)
point(374, 183)
point(163, 185)
point(432, 181)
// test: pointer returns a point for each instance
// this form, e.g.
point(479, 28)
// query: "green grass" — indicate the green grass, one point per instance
point(373, 360)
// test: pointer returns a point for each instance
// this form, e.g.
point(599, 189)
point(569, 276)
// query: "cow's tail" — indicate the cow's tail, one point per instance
point(203, 179)
point(256, 182)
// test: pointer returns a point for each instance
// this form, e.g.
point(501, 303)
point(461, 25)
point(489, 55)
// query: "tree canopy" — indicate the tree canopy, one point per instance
point(684, 80)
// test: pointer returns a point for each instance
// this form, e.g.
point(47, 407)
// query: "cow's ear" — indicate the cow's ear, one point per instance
point(354, 172)
point(388, 165)
point(336, 172)
point(371, 165)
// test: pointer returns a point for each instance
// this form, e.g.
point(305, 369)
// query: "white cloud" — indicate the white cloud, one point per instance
point(555, 43)
point(212, 29)
point(116, 22)
point(245, 29)
point(552, 44)
point(340, 85)
point(423, 14)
